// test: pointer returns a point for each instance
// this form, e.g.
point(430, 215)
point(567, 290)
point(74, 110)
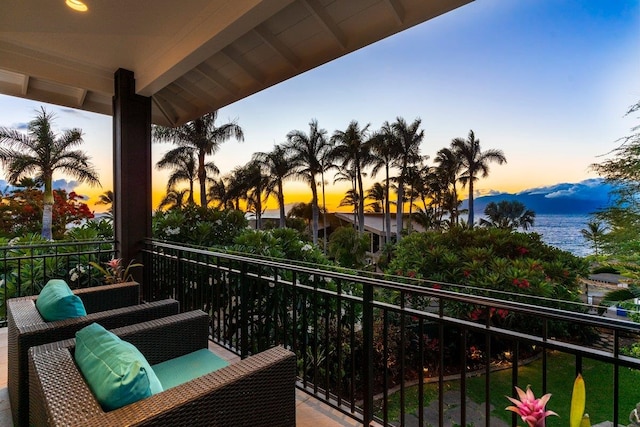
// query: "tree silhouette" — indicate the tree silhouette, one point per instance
point(475, 164)
point(203, 136)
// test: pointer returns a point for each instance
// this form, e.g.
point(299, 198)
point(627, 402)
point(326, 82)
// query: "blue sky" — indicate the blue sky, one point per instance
point(546, 81)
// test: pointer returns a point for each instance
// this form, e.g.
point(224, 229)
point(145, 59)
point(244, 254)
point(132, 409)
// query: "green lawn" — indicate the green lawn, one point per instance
point(560, 379)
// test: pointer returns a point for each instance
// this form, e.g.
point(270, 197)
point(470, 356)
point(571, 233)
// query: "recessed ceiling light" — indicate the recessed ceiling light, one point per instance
point(77, 5)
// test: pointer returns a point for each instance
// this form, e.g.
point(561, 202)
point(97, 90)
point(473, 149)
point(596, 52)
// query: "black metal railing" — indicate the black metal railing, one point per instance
point(25, 269)
point(388, 349)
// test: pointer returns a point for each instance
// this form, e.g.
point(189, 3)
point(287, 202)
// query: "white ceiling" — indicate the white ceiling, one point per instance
point(190, 56)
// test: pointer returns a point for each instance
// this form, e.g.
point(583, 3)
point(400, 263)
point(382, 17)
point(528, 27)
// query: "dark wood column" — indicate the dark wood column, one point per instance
point(131, 168)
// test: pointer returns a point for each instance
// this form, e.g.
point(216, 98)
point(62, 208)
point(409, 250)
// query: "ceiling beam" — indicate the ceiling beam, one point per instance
point(82, 95)
point(246, 66)
point(176, 99)
point(202, 95)
point(166, 109)
point(279, 47)
point(25, 84)
point(208, 72)
point(397, 9)
point(216, 27)
point(43, 66)
point(325, 20)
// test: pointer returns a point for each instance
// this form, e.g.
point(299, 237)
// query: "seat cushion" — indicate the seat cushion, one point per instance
point(57, 302)
point(185, 368)
point(115, 370)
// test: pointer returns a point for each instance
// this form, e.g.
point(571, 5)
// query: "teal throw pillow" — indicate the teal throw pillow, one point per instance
point(57, 302)
point(115, 370)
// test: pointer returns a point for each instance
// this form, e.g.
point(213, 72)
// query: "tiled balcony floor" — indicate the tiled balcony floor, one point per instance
point(309, 411)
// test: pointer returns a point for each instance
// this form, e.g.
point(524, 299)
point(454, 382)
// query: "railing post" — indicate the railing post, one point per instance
point(244, 312)
point(367, 362)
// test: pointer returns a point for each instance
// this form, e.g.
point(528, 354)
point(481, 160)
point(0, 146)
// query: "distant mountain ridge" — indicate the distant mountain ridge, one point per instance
point(584, 197)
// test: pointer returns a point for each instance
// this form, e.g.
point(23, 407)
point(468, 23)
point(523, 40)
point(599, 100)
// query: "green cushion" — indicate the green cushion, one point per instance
point(115, 370)
point(57, 302)
point(185, 368)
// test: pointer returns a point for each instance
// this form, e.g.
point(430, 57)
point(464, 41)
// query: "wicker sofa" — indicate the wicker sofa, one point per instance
point(256, 391)
point(112, 306)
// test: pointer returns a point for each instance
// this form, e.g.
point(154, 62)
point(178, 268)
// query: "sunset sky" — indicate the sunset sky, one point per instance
point(546, 81)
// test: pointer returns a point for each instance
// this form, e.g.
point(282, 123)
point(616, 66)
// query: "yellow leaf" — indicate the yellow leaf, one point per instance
point(578, 398)
point(586, 422)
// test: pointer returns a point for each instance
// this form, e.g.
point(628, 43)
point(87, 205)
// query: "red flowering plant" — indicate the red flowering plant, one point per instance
point(115, 272)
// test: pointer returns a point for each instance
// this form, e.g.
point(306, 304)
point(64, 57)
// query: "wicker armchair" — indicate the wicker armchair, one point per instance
point(112, 306)
point(257, 391)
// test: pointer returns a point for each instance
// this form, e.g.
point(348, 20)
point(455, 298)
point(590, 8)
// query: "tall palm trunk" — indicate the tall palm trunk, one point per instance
point(399, 208)
point(471, 216)
point(202, 179)
point(191, 201)
point(387, 204)
point(360, 201)
point(410, 225)
point(47, 209)
point(283, 222)
point(314, 210)
point(324, 215)
point(454, 206)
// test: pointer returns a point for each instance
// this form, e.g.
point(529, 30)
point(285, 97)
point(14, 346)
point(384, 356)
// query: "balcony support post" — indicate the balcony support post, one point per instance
point(367, 362)
point(131, 168)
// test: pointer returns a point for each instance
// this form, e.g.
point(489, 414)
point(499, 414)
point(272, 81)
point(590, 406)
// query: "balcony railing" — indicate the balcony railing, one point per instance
point(378, 348)
point(25, 269)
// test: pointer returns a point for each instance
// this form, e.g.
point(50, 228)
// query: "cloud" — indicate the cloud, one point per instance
point(20, 126)
point(594, 188)
point(72, 112)
point(490, 193)
point(63, 184)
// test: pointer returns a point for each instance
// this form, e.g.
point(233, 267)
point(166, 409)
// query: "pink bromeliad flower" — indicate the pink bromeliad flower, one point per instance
point(114, 263)
point(531, 410)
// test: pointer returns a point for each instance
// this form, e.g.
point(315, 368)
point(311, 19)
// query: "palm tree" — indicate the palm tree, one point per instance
point(174, 199)
point(308, 152)
point(509, 215)
point(377, 194)
point(253, 184)
point(594, 233)
point(203, 136)
point(183, 167)
point(219, 192)
point(107, 198)
point(352, 199)
point(416, 177)
point(278, 167)
point(351, 148)
point(448, 166)
point(474, 162)
point(303, 211)
point(382, 157)
point(42, 152)
point(405, 152)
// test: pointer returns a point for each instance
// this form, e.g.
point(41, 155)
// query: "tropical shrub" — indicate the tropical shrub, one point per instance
point(29, 262)
point(194, 225)
point(493, 262)
point(348, 247)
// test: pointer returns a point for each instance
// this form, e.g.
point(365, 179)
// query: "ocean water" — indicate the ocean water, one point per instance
point(563, 231)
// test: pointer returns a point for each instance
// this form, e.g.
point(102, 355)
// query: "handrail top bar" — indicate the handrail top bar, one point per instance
point(57, 244)
point(555, 313)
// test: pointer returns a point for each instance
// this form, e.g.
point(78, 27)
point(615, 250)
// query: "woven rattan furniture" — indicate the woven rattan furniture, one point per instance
point(112, 306)
point(256, 391)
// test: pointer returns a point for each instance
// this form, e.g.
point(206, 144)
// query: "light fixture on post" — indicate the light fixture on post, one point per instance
point(77, 5)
